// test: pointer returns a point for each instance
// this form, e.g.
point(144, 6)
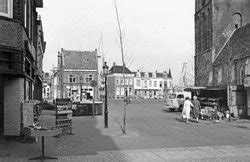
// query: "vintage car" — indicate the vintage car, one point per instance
point(174, 101)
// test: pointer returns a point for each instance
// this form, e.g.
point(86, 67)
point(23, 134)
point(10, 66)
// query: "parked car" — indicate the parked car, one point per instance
point(174, 101)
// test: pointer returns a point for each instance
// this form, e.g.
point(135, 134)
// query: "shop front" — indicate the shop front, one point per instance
point(222, 99)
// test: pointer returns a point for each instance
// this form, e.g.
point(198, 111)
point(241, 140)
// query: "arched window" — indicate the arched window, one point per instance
point(237, 20)
point(203, 32)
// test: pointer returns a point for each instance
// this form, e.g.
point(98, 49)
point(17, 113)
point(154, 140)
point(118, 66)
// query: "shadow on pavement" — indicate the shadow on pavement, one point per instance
point(88, 139)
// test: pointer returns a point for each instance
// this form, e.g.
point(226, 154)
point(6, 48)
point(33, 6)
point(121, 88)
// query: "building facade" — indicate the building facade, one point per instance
point(75, 71)
point(152, 84)
point(116, 85)
point(222, 49)
point(21, 51)
point(46, 87)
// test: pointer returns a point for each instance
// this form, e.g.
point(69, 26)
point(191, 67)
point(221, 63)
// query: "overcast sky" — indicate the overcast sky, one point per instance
point(158, 34)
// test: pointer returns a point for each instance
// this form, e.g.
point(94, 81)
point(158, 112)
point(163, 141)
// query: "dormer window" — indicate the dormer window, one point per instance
point(6, 8)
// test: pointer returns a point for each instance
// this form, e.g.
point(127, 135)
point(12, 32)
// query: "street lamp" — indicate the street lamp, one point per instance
point(105, 73)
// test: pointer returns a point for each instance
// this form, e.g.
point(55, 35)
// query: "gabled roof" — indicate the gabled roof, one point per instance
point(119, 69)
point(237, 47)
point(159, 75)
point(80, 60)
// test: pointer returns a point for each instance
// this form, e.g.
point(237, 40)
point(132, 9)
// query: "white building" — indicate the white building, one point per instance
point(152, 84)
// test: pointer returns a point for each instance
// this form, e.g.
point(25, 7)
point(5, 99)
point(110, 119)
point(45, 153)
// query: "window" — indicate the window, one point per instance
point(237, 19)
point(117, 91)
point(150, 83)
point(145, 84)
point(210, 77)
point(137, 82)
point(126, 81)
point(122, 91)
point(72, 79)
point(117, 81)
point(160, 84)
point(6, 8)
point(130, 82)
point(219, 75)
point(180, 96)
point(242, 75)
point(122, 82)
point(88, 78)
point(155, 83)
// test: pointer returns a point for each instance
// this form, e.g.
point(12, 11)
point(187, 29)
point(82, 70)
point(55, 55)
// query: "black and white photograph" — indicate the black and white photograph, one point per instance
point(124, 80)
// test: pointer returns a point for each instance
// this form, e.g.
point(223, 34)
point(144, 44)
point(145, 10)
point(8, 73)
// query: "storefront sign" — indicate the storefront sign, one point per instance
point(28, 112)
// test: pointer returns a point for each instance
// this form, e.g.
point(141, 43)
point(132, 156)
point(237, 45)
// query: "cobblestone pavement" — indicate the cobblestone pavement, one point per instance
point(214, 153)
point(153, 133)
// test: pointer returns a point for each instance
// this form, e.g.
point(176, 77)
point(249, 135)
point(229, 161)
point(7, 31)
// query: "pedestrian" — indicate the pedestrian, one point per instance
point(186, 108)
point(196, 108)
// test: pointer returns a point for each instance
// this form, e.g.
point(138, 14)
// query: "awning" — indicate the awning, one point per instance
point(193, 89)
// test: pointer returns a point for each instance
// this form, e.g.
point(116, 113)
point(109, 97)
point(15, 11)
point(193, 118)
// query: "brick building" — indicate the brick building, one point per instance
point(115, 82)
point(21, 51)
point(75, 71)
point(222, 49)
point(215, 22)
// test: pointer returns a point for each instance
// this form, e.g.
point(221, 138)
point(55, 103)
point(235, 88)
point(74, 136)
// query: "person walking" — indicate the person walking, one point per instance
point(186, 108)
point(196, 108)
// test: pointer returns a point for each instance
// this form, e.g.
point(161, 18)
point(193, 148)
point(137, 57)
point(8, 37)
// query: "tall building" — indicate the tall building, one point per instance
point(22, 47)
point(215, 23)
point(222, 52)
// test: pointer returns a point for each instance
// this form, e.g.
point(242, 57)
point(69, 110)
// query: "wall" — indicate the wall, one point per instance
point(223, 19)
point(13, 97)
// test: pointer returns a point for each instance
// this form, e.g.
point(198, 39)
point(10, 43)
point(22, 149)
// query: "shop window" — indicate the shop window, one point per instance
point(6, 8)
point(130, 91)
point(117, 91)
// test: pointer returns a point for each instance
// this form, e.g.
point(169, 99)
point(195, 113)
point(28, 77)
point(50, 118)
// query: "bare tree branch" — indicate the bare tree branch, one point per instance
point(123, 64)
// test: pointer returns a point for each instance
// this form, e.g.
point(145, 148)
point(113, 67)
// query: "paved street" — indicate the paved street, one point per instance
point(152, 133)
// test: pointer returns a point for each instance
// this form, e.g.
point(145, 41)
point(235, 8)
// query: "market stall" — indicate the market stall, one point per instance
point(86, 108)
point(213, 101)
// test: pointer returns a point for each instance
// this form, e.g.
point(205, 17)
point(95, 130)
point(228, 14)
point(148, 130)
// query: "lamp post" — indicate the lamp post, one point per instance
point(105, 73)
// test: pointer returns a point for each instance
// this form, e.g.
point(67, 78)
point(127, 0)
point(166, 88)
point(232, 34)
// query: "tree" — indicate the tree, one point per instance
point(123, 65)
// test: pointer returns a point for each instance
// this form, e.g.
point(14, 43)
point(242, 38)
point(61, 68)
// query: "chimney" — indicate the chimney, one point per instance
point(114, 63)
